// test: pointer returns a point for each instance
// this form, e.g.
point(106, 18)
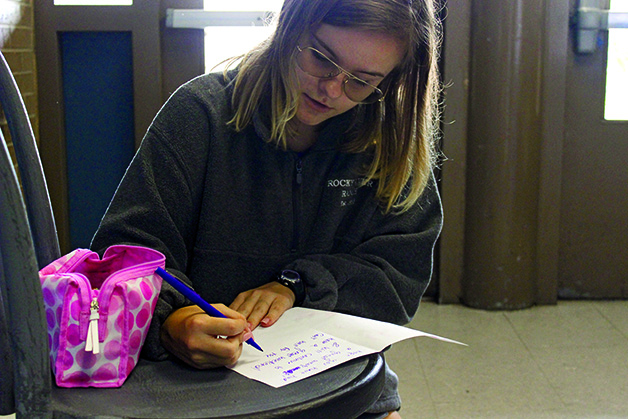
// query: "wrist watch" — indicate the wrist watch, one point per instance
point(292, 280)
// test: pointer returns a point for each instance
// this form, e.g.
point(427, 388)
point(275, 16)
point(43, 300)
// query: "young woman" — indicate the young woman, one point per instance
point(303, 177)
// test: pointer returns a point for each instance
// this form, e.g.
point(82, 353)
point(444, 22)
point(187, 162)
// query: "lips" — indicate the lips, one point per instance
point(316, 105)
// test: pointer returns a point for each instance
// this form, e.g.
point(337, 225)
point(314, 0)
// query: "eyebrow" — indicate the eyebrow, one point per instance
point(335, 57)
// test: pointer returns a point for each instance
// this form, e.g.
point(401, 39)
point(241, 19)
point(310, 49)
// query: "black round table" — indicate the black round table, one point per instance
point(171, 389)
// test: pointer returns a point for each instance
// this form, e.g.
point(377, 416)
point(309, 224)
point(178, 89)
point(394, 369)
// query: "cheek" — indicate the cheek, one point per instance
point(306, 83)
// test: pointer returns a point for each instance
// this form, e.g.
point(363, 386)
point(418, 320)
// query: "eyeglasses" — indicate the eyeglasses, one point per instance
point(317, 64)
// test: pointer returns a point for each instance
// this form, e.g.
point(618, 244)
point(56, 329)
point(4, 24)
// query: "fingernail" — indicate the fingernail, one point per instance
point(265, 322)
point(247, 336)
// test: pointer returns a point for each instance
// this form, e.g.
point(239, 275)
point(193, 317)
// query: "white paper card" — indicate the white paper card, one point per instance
point(305, 342)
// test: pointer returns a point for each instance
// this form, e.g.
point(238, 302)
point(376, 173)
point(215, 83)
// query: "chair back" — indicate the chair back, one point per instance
point(37, 200)
point(22, 312)
point(28, 241)
point(6, 360)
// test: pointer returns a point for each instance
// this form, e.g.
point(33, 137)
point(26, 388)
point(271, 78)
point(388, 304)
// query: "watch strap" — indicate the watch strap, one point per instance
point(293, 281)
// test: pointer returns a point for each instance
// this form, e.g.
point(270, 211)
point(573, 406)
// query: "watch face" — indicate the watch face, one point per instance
point(291, 276)
point(292, 280)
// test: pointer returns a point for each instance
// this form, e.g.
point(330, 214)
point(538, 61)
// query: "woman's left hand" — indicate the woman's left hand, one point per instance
point(264, 305)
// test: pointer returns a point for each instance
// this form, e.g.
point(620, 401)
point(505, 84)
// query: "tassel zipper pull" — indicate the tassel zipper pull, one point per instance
point(92, 344)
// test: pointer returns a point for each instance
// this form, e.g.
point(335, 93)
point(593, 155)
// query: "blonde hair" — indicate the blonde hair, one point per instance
point(399, 131)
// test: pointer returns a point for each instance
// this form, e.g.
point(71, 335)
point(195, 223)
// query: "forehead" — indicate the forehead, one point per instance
point(360, 50)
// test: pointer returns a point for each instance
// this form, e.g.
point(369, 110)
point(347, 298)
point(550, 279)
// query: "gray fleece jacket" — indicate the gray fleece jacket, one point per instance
point(230, 211)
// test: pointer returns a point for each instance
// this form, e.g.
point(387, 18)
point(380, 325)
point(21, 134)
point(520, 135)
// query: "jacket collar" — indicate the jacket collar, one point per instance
point(332, 134)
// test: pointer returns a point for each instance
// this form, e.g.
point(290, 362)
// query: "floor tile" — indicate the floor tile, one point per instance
point(596, 378)
point(568, 324)
point(404, 359)
point(616, 312)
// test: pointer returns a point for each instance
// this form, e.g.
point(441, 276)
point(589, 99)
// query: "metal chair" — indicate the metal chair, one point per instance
point(166, 389)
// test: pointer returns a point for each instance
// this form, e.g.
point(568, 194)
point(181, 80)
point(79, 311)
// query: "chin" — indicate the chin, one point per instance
point(310, 119)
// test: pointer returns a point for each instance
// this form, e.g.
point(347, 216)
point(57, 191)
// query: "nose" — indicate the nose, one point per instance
point(332, 87)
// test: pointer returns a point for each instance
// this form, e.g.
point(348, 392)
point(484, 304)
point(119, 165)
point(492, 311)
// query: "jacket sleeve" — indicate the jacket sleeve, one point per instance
point(384, 276)
point(158, 199)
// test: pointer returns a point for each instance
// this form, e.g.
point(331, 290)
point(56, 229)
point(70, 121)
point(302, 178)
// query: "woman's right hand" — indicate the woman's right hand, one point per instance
point(203, 341)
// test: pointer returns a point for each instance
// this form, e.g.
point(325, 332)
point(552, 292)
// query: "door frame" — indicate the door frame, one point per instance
point(456, 73)
point(49, 21)
point(158, 67)
point(557, 43)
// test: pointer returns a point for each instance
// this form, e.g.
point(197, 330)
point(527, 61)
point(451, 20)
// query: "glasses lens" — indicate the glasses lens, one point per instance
point(362, 92)
point(316, 64)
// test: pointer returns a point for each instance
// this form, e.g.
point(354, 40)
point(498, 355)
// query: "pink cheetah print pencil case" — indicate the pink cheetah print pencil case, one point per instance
point(98, 312)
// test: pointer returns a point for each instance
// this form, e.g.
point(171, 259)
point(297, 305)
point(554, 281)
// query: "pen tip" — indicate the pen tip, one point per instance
point(254, 344)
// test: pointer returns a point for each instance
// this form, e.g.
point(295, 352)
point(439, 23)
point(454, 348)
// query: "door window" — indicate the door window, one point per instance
point(225, 42)
point(617, 68)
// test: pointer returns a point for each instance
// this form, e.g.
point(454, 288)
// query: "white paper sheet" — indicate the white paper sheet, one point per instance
point(305, 342)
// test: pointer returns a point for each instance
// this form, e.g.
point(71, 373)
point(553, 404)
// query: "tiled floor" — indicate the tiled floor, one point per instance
point(564, 361)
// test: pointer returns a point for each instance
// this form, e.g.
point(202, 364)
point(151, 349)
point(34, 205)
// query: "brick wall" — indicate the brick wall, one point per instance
point(17, 42)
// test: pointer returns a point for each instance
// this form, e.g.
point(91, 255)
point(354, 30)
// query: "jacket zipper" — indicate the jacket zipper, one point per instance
point(296, 205)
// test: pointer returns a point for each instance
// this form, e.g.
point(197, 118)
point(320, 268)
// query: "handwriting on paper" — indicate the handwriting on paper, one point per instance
point(311, 354)
point(305, 342)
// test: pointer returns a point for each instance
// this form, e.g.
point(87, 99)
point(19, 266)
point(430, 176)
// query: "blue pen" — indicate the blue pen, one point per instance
point(195, 298)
